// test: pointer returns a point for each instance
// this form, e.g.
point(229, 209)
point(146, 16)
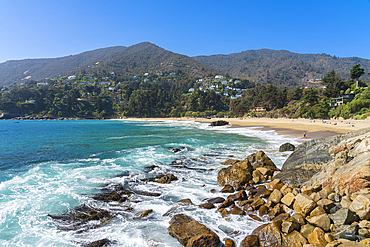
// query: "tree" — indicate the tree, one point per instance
point(333, 84)
point(356, 73)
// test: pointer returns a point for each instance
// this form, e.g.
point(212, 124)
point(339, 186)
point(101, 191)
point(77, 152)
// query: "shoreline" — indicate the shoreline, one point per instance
point(314, 129)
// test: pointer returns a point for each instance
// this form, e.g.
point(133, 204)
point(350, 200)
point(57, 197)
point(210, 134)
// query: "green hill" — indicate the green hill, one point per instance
point(282, 68)
point(125, 61)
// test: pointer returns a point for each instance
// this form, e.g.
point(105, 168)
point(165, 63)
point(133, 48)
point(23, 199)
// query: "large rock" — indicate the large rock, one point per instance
point(295, 239)
point(305, 204)
point(271, 235)
point(191, 233)
point(260, 159)
point(343, 217)
point(235, 175)
point(317, 238)
point(322, 221)
point(286, 147)
point(320, 152)
point(361, 205)
point(219, 123)
point(250, 241)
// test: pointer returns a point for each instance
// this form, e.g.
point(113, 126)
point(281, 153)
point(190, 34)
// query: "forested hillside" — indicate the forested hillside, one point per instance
point(125, 61)
point(282, 68)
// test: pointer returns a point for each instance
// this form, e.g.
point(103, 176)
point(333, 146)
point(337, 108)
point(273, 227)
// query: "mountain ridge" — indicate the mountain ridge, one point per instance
point(278, 67)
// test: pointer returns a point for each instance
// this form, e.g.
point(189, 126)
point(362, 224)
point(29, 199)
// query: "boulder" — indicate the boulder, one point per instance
point(191, 233)
point(250, 241)
point(286, 147)
point(229, 243)
point(276, 184)
point(361, 205)
point(295, 239)
point(322, 221)
point(317, 237)
point(230, 162)
point(207, 205)
point(260, 159)
point(306, 230)
point(227, 189)
point(317, 211)
point(343, 217)
point(271, 235)
point(305, 204)
point(257, 177)
point(236, 210)
point(275, 196)
point(235, 175)
point(167, 179)
point(142, 214)
point(326, 204)
point(99, 243)
point(219, 123)
point(288, 199)
point(288, 226)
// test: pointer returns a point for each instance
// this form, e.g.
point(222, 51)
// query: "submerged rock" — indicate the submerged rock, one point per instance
point(142, 214)
point(99, 243)
point(83, 218)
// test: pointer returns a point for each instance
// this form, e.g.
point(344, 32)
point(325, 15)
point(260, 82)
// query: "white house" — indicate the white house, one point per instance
point(191, 89)
point(71, 77)
point(224, 83)
point(226, 94)
point(111, 88)
point(30, 101)
point(112, 73)
point(42, 84)
point(146, 74)
point(219, 77)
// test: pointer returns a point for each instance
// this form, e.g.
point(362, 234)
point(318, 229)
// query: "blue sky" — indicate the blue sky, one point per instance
point(42, 29)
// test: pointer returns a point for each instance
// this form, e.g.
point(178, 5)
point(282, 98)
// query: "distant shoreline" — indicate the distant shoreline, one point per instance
point(314, 129)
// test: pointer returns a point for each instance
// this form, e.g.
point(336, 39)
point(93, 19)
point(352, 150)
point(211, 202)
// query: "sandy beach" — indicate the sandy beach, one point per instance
point(314, 129)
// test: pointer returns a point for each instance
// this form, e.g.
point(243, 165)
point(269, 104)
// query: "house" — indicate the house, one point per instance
point(112, 73)
point(201, 80)
point(172, 73)
point(344, 99)
point(226, 94)
point(135, 77)
point(237, 81)
point(111, 88)
point(236, 96)
point(218, 92)
point(146, 80)
point(42, 84)
point(224, 83)
point(216, 80)
point(212, 87)
point(191, 89)
point(104, 83)
point(146, 74)
point(159, 73)
point(71, 77)
point(219, 77)
point(259, 109)
point(30, 101)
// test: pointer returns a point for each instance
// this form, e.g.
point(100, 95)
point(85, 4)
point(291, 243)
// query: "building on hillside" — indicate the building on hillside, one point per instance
point(342, 100)
point(224, 83)
point(259, 109)
point(191, 89)
point(219, 77)
point(146, 80)
point(42, 84)
point(71, 77)
point(30, 101)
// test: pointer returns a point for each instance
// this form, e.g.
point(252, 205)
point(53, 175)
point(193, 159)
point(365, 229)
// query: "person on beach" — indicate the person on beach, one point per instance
point(304, 134)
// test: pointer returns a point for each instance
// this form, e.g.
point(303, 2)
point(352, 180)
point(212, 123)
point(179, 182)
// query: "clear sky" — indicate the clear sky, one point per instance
point(47, 28)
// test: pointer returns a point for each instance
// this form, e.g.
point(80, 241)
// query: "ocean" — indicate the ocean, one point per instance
point(51, 167)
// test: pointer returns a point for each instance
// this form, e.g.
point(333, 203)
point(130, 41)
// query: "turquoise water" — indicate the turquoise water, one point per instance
point(49, 167)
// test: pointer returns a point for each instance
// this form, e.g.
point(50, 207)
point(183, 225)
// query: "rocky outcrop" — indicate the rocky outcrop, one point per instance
point(313, 156)
point(257, 167)
point(219, 123)
point(191, 233)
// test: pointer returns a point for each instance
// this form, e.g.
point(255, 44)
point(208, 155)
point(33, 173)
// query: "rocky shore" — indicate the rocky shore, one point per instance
point(320, 197)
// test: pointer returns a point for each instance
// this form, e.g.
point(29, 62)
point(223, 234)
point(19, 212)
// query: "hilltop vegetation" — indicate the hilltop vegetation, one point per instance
point(282, 68)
